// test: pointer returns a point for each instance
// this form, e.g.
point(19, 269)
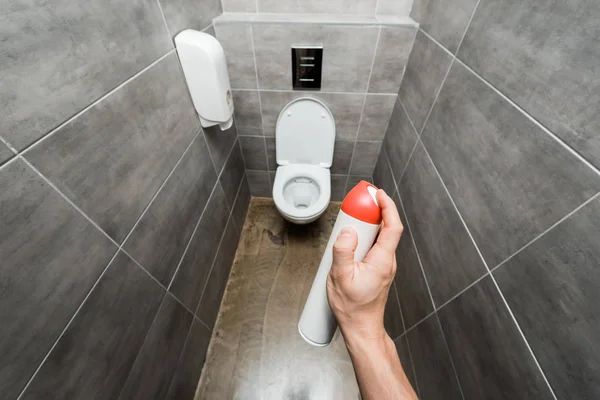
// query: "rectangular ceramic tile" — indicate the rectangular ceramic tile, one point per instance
point(259, 183)
point(239, 6)
point(435, 374)
point(247, 112)
point(376, 116)
point(242, 202)
point(553, 288)
point(364, 158)
point(393, 49)
point(448, 256)
point(195, 266)
point(510, 180)
point(382, 175)
point(232, 174)
point(400, 140)
point(338, 187)
point(345, 107)
point(543, 57)
point(189, 14)
point(5, 153)
point(392, 318)
point(187, 374)
point(406, 360)
point(172, 216)
point(425, 72)
point(254, 152)
point(318, 6)
point(353, 180)
point(394, 7)
point(271, 153)
point(43, 243)
point(342, 156)
point(236, 40)
point(112, 159)
point(95, 354)
point(491, 358)
point(86, 51)
point(413, 293)
point(211, 298)
point(155, 365)
point(347, 59)
point(220, 144)
point(272, 175)
point(445, 20)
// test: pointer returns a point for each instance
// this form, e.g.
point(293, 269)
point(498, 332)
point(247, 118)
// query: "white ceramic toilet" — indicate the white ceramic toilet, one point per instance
point(305, 138)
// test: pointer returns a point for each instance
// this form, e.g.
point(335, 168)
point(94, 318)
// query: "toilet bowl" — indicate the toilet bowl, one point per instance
point(305, 137)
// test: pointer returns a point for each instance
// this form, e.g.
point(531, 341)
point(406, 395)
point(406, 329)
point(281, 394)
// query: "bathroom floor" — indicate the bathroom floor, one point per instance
point(256, 351)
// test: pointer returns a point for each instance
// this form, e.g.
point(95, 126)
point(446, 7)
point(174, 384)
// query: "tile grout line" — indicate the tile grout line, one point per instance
point(467, 28)
point(164, 20)
point(437, 318)
point(414, 146)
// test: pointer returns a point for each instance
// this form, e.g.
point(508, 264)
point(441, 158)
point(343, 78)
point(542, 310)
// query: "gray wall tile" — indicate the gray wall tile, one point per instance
point(338, 187)
point(413, 293)
point(365, 157)
point(272, 153)
point(194, 269)
point(240, 209)
point(448, 255)
point(220, 144)
point(247, 112)
point(86, 52)
point(376, 116)
point(239, 6)
point(272, 175)
point(43, 283)
point(94, 356)
point(259, 183)
point(345, 107)
point(509, 179)
point(353, 180)
point(232, 174)
point(400, 140)
point(553, 289)
point(317, 6)
point(211, 298)
point(435, 374)
point(393, 49)
point(151, 375)
point(394, 7)
point(5, 153)
point(346, 63)
point(190, 365)
point(425, 71)
point(171, 218)
point(545, 59)
point(254, 152)
point(392, 318)
point(236, 40)
point(445, 20)
point(490, 356)
point(112, 159)
point(382, 175)
point(189, 14)
point(342, 156)
point(406, 360)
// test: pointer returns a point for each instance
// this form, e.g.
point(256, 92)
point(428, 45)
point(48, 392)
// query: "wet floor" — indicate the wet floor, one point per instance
point(256, 351)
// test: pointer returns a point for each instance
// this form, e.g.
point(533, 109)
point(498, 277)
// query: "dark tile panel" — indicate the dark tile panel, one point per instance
point(364, 158)
point(406, 360)
point(195, 267)
point(220, 144)
point(155, 365)
point(510, 180)
point(94, 356)
point(338, 187)
point(254, 152)
point(491, 358)
point(392, 318)
point(400, 140)
point(427, 66)
point(87, 50)
point(44, 243)
point(172, 216)
point(553, 289)
point(544, 57)
point(259, 183)
point(240, 209)
point(189, 14)
point(382, 175)
point(247, 112)
point(112, 159)
point(448, 256)
point(435, 374)
point(271, 153)
point(342, 156)
point(211, 298)
point(232, 174)
point(187, 374)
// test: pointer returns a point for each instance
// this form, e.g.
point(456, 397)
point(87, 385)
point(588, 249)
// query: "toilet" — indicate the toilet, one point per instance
point(305, 138)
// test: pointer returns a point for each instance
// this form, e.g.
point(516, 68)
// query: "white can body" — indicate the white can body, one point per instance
point(317, 324)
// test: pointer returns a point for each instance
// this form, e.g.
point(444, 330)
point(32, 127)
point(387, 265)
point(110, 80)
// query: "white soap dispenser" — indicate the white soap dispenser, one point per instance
point(205, 69)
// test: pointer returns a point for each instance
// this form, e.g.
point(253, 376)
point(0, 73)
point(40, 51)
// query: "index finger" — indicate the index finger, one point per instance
point(392, 228)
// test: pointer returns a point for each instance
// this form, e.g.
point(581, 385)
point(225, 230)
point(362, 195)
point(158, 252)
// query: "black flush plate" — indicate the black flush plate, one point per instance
point(307, 66)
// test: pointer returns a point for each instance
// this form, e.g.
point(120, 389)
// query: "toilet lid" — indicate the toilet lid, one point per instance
point(305, 133)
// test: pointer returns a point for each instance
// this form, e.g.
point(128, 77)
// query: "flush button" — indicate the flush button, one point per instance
point(307, 65)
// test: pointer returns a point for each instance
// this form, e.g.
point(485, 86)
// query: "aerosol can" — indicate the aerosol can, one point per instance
point(359, 211)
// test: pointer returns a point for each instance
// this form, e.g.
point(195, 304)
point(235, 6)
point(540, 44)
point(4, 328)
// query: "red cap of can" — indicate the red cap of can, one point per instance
point(361, 204)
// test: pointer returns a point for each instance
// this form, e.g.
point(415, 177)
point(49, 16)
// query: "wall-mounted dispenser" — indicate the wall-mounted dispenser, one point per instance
point(205, 69)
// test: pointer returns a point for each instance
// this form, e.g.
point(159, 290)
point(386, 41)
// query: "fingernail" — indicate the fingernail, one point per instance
point(346, 232)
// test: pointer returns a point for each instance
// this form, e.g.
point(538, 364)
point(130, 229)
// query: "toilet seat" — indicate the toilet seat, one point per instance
point(319, 175)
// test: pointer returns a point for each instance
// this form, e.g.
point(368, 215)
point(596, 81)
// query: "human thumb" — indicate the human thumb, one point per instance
point(343, 248)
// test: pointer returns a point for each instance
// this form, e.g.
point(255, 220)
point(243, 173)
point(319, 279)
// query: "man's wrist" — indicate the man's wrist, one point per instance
point(364, 338)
